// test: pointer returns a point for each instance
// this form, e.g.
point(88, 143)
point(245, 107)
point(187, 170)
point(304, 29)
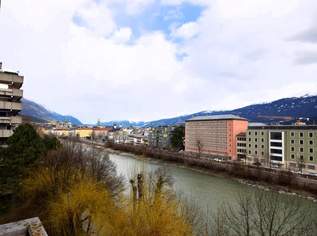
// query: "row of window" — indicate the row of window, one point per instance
point(311, 150)
point(301, 134)
point(311, 142)
point(256, 146)
point(311, 158)
point(256, 133)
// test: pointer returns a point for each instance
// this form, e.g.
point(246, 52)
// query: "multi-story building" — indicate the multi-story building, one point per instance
point(10, 103)
point(293, 147)
point(241, 146)
point(215, 135)
point(160, 137)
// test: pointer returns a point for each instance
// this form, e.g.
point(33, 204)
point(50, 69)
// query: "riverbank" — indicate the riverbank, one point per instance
point(262, 178)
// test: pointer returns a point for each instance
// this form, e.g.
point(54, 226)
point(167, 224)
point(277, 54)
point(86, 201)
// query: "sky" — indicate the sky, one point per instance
point(151, 59)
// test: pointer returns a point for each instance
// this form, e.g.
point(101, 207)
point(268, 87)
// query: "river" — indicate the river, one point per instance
point(205, 190)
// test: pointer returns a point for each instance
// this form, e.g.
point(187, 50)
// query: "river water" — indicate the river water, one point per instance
point(205, 190)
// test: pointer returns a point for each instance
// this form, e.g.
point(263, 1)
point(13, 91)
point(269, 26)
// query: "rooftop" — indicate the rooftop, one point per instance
point(285, 127)
point(216, 117)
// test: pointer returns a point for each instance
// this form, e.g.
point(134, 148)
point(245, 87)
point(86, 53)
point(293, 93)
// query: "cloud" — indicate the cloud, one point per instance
point(309, 36)
point(187, 30)
point(306, 58)
point(80, 57)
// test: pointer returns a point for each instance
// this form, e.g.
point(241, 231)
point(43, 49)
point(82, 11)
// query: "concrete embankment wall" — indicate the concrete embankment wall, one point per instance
point(271, 176)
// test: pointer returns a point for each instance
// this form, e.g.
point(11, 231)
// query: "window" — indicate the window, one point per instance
point(292, 141)
point(256, 133)
point(301, 149)
point(276, 135)
point(249, 139)
point(276, 151)
point(249, 132)
point(256, 140)
point(262, 140)
point(312, 167)
point(292, 134)
point(301, 157)
point(262, 153)
point(293, 149)
point(311, 135)
point(256, 152)
point(256, 146)
point(301, 142)
point(311, 150)
point(249, 152)
point(293, 156)
point(262, 133)
point(276, 144)
point(301, 134)
point(311, 158)
point(249, 145)
point(311, 142)
point(262, 146)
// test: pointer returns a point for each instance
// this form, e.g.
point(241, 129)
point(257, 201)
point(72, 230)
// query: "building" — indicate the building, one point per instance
point(137, 139)
point(160, 137)
point(214, 135)
point(291, 147)
point(241, 141)
point(101, 132)
point(83, 132)
point(10, 103)
point(28, 227)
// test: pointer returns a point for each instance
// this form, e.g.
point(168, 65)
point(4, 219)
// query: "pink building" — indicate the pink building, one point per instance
point(215, 135)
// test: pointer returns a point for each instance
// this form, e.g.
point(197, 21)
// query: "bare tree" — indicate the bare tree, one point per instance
point(264, 214)
point(199, 147)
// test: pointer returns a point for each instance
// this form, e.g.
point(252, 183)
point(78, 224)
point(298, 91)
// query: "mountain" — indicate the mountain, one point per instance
point(283, 111)
point(123, 123)
point(37, 112)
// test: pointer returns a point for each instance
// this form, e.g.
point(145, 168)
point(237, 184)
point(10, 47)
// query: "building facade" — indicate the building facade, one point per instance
point(160, 137)
point(10, 103)
point(214, 135)
point(291, 147)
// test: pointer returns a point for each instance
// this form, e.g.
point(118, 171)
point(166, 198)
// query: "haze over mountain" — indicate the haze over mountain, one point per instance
point(284, 111)
point(40, 113)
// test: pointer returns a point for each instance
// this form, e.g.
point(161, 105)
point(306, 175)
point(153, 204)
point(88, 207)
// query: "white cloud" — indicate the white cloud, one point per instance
point(122, 35)
point(187, 30)
point(241, 53)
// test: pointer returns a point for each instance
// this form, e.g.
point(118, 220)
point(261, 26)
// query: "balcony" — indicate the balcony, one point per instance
point(11, 120)
point(12, 79)
point(11, 93)
point(5, 105)
point(5, 133)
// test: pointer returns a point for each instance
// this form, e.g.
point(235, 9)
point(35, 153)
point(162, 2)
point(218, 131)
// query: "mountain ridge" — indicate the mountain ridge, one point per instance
point(38, 112)
point(282, 111)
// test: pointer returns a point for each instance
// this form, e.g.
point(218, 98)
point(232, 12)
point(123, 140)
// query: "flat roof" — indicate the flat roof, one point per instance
point(216, 117)
point(285, 127)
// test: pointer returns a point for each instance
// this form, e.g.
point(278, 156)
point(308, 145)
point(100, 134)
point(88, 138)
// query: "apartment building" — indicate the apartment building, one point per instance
point(10, 103)
point(160, 137)
point(214, 135)
point(292, 147)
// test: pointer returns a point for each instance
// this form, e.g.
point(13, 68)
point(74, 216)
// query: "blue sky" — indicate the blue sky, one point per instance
point(151, 59)
point(158, 17)
point(154, 17)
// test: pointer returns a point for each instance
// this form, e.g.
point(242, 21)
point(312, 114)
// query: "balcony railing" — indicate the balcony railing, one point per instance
point(11, 92)
point(5, 133)
point(11, 120)
point(5, 105)
point(12, 79)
